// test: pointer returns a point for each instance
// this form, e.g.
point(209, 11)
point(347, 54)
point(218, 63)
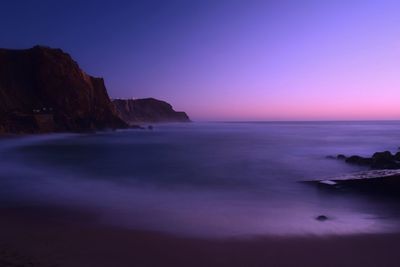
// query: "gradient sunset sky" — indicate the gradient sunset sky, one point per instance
point(229, 59)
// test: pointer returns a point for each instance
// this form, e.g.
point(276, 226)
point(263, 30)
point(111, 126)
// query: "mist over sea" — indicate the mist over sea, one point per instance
point(204, 179)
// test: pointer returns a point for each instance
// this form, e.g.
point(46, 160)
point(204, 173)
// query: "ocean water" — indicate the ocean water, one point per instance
point(204, 179)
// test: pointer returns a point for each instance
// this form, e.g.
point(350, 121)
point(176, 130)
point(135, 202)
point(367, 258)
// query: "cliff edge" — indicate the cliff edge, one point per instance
point(44, 90)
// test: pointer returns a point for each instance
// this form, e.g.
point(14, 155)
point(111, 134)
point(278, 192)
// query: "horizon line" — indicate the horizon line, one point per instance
point(328, 120)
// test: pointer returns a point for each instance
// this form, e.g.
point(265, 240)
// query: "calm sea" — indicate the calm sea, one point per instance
point(204, 179)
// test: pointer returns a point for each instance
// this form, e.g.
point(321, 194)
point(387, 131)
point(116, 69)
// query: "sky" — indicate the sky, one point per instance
point(228, 59)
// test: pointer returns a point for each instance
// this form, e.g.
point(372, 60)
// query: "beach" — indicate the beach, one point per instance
point(46, 237)
point(200, 194)
point(199, 133)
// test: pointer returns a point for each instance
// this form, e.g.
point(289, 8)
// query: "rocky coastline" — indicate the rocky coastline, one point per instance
point(379, 160)
point(43, 90)
point(383, 176)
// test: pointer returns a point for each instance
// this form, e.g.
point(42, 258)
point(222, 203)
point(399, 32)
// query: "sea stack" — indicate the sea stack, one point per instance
point(134, 111)
point(44, 90)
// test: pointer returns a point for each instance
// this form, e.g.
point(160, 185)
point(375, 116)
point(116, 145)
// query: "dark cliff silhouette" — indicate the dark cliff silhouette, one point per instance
point(44, 90)
point(135, 111)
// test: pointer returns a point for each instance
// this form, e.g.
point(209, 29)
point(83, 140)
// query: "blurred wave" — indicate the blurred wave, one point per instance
point(203, 178)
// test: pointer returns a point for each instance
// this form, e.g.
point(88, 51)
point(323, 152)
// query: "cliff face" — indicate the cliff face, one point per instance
point(148, 110)
point(44, 90)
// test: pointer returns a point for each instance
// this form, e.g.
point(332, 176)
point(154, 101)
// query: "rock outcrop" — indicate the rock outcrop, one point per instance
point(379, 160)
point(386, 182)
point(44, 90)
point(135, 111)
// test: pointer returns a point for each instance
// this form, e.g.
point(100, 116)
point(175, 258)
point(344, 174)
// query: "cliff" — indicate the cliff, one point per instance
point(147, 110)
point(44, 90)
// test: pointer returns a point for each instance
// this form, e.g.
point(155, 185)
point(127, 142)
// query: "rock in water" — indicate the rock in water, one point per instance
point(134, 111)
point(379, 160)
point(384, 160)
point(380, 182)
point(44, 90)
point(358, 160)
point(321, 218)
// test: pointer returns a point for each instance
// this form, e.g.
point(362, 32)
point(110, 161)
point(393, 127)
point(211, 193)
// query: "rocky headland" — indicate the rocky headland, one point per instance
point(44, 90)
point(148, 110)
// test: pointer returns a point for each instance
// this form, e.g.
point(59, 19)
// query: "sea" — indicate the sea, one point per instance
point(204, 179)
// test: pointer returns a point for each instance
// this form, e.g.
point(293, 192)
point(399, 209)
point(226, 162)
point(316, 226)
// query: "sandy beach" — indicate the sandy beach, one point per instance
point(32, 236)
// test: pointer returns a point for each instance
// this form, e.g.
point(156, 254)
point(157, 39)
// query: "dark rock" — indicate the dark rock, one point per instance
point(379, 160)
point(148, 110)
point(397, 156)
point(383, 160)
point(380, 182)
point(44, 90)
point(341, 156)
point(321, 218)
point(382, 156)
point(358, 160)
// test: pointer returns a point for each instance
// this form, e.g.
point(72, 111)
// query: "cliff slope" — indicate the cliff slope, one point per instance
point(147, 110)
point(44, 90)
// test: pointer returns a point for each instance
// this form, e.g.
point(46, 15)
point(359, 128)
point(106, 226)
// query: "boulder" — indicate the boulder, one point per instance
point(383, 160)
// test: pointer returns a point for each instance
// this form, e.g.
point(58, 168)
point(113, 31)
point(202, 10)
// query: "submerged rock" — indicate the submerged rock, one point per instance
point(321, 218)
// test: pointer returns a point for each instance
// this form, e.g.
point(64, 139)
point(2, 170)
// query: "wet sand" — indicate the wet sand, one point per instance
point(32, 236)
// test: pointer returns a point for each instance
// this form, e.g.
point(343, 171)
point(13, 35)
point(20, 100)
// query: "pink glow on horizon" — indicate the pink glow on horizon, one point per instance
point(299, 112)
point(259, 60)
point(380, 104)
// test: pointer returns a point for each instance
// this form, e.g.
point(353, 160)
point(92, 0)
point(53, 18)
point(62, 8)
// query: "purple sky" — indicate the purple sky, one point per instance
point(229, 60)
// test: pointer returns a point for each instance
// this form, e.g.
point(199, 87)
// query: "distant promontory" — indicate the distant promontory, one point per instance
point(44, 90)
point(134, 111)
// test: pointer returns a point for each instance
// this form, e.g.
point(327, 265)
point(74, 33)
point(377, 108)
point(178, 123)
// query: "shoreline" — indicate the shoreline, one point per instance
point(43, 236)
point(54, 237)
